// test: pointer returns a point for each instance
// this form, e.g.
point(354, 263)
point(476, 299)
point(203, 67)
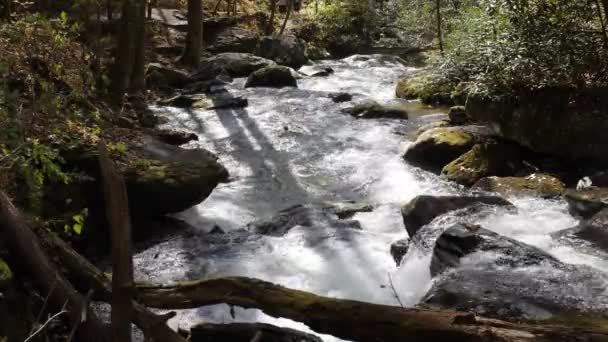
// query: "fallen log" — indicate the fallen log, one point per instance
point(24, 246)
point(86, 276)
point(355, 320)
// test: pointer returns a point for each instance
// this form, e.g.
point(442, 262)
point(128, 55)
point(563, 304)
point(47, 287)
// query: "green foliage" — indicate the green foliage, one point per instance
point(77, 224)
point(499, 46)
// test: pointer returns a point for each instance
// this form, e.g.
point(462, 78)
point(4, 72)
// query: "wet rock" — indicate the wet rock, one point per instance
point(247, 332)
point(346, 210)
point(495, 276)
point(493, 158)
point(341, 97)
point(315, 71)
point(437, 147)
point(399, 249)
point(285, 50)
point(537, 185)
point(175, 137)
point(374, 110)
point(230, 64)
point(421, 86)
point(316, 53)
point(171, 179)
point(165, 77)
point(234, 39)
point(587, 202)
point(219, 101)
point(593, 230)
point(273, 76)
point(204, 87)
point(301, 215)
point(423, 209)
point(458, 115)
point(217, 230)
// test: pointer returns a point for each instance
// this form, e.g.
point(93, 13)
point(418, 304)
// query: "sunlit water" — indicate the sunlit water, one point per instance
point(293, 146)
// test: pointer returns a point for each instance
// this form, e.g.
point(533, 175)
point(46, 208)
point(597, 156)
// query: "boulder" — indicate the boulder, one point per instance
point(234, 39)
point(492, 275)
point(537, 185)
point(272, 76)
point(303, 215)
point(442, 123)
point(219, 101)
point(316, 71)
point(458, 115)
point(399, 249)
point(593, 230)
point(285, 50)
point(316, 53)
point(169, 179)
point(437, 147)
point(587, 202)
point(423, 209)
point(493, 158)
point(374, 110)
point(230, 64)
point(247, 332)
point(422, 86)
point(165, 77)
point(175, 137)
point(563, 122)
point(341, 97)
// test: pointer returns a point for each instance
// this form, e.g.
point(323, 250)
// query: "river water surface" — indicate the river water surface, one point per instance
point(293, 146)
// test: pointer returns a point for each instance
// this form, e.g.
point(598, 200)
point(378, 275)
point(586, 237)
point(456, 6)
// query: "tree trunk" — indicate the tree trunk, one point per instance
point(24, 246)
point(117, 211)
point(109, 10)
point(194, 38)
point(7, 9)
point(289, 8)
point(138, 79)
point(353, 320)
point(273, 11)
point(602, 22)
point(439, 31)
point(123, 61)
point(605, 3)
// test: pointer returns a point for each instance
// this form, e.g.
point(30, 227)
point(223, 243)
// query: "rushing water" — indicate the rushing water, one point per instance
point(293, 146)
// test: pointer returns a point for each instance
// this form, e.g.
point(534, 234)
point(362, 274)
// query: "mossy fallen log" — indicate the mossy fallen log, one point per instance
point(355, 320)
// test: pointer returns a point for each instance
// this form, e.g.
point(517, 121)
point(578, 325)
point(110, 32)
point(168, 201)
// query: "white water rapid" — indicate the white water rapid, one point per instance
point(293, 146)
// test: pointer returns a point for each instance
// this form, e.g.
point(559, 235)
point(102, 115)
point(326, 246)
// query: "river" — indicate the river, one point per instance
point(294, 146)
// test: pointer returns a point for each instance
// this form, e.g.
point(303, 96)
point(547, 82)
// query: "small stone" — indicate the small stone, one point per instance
point(341, 97)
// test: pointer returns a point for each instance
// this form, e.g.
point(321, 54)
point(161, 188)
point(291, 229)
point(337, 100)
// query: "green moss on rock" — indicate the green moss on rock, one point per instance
point(438, 146)
point(272, 76)
point(6, 274)
point(483, 160)
point(539, 185)
point(426, 87)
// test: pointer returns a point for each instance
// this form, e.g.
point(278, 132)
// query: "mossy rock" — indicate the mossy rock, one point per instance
point(438, 146)
point(6, 274)
point(273, 76)
point(458, 115)
point(495, 158)
point(426, 87)
point(538, 185)
point(374, 110)
point(170, 179)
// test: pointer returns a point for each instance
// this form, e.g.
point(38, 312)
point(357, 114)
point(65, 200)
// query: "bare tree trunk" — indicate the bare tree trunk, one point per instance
point(109, 10)
point(217, 6)
point(8, 9)
point(289, 8)
point(24, 246)
point(138, 80)
point(117, 210)
point(273, 11)
point(123, 61)
point(602, 22)
point(194, 38)
point(150, 7)
point(439, 31)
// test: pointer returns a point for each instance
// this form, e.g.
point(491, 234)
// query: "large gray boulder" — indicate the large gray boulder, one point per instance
point(230, 64)
point(423, 209)
point(169, 179)
point(495, 276)
point(273, 77)
point(285, 50)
